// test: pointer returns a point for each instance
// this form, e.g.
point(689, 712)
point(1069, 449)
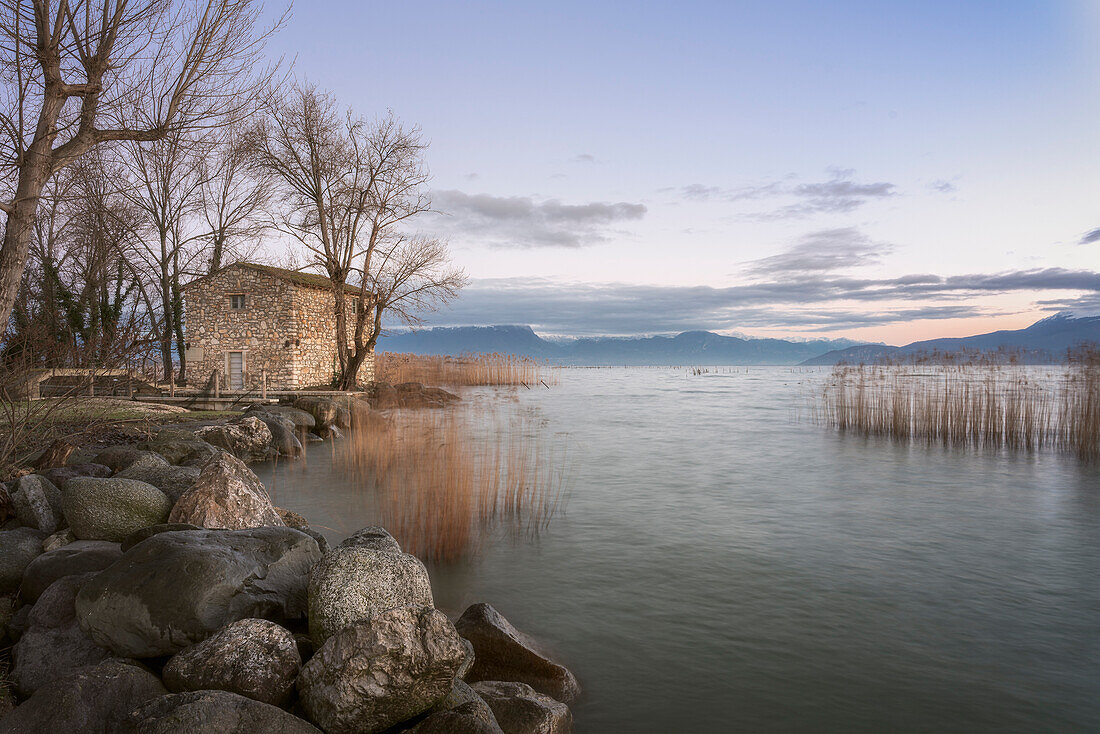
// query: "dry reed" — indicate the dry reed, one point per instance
point(467, 370)
point(446, 481)
point(969, 404)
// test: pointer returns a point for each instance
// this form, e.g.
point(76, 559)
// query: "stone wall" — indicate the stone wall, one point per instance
point(285, 329)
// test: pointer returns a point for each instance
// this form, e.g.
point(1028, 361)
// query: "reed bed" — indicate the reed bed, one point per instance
point(445, 482)
point(978, 404)
point(466, 370)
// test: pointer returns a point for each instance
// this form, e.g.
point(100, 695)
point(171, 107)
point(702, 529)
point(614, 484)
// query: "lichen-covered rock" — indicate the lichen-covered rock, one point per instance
point(78, 557)
point(249, 439)
point(226, 495)
point(468, 718)
point(212, 712)
point(352, 583)
point(53, 645)
point(174, 481)
point(299, 418)
point(381, 671)
point(59, 476)
point(175, 589)
point(147, 532)
point(520, 709)
point(117, 458)
point(283, 437)
point(94, 699)
point(180, 447)
point(111, 509)
point(255, 658)
point(292, 519)
point(374, 537)
point(90, 469)
point(60, 539)
point(462, 695)
point(18, 548)
point(322, 409)
point(37, 503)
point(504, 653)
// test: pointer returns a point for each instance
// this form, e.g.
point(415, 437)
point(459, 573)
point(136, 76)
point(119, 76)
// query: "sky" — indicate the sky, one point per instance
point(888, 171)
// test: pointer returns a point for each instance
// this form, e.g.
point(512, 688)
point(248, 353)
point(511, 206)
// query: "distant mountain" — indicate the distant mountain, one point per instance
point(690, 347)
point(1043, 342)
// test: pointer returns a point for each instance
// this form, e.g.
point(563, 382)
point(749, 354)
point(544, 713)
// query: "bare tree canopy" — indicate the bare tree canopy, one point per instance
point(352, 188)
point(76, 74)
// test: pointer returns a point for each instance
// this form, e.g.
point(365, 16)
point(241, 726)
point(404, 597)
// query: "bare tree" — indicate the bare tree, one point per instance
point(235, 199)
point(167, 177)
point(352, 186)
point(76, 74)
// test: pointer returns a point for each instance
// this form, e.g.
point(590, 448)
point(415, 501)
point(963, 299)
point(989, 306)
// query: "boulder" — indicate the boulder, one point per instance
point(373, 537)
point(181, 448)
point(248, 439)
point(382, 396)
point(381, 671)
point(463, 695)
point(322, 409)
point(343, 418)
point(175, 589)
point(165, 527)
point(60, 539)
point(250, 657)
point(212, 712)
point(504, 653)
point(299, 418)
point(520, 709)
point(37, 503)
point(147, 460)
point(283, 437)
point(18, 548)
point(59, 476)
point(91, 700)
point(174, 481)
point(90, 469)
point(322, 541)
point(364, 418)
point(226, 495)
point(356, 582)
point(111, 509)
point(117, 458)
point(468, 718)
point(53, 645)
point(78, 557)
point(18, 622)
point(292, 519)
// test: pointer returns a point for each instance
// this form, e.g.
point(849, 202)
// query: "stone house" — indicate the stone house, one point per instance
point(249, 321)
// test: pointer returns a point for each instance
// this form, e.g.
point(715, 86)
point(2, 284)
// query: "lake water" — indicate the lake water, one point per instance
point(723, 564)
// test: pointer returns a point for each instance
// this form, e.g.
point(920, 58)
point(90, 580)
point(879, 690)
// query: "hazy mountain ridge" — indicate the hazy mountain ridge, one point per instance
point(1044, 342)
point(689, 347)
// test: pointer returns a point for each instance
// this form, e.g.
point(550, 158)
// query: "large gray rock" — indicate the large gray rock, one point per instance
point(226, 495)
point(37, 503)
point(381, 671)
point(177, 588)
point(148, 532)
point(117, 458)
point(374, 537)
point(81, 556)
point(283, 437)
point(255, 658)
point(352, 583)
point(520, 709)
point(466, 700)
point(180, 447)
point(249, 439)
point(468, 718)
point(53, 645)
point(18, 548)
point(174, 481)
point(111, 509)
point(322, 409)
point(213, 712)
point(91, 700)
point(60, 539)
point(299, 418)
point(504, 653)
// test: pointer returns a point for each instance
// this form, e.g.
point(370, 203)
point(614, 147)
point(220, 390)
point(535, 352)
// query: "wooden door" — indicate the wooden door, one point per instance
point(236, 370)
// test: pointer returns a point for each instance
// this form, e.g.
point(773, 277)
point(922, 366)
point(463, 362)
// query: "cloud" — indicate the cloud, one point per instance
point(1091, 237)
point(819, 303)
point(943, 187)
point(839, 193)
point(521, 221)
point(584, 158)
point(824, 251)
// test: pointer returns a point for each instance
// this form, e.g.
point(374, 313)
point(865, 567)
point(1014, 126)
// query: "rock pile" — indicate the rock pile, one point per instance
point(157, 600)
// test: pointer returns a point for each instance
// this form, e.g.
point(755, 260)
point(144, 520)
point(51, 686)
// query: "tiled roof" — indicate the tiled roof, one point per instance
point(309, 280)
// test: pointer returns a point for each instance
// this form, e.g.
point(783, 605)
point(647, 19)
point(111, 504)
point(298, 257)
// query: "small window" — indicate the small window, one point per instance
point(236, 301)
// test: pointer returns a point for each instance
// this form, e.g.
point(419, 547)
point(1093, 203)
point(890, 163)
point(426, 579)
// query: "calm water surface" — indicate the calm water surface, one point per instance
point(722, 564)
